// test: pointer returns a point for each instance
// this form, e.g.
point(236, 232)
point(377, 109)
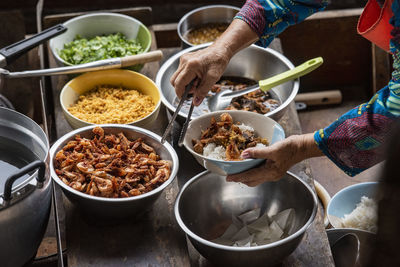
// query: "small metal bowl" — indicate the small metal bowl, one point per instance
point(204, 15)
point(116, 207)
point(263, 126)
point(206, 203)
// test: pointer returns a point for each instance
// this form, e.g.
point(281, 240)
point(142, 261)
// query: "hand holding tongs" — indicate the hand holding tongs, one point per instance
point(185, 96)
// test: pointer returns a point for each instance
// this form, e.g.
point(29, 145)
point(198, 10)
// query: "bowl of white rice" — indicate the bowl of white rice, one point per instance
point(355, 207)
point(213, 156)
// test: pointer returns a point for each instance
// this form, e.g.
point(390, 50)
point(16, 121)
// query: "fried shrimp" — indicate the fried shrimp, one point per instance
point(111, 165)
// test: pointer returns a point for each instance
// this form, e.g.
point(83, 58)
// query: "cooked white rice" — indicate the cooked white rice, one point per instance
point(260, 145)
point(213, 151)
point(244, 127)
point(364, 216)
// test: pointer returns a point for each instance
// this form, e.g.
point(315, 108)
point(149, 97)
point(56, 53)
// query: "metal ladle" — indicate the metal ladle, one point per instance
point(105, 64)
point(222, 99)
point(346, 251)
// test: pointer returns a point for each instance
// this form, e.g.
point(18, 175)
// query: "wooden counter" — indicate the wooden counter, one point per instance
point(155, 239)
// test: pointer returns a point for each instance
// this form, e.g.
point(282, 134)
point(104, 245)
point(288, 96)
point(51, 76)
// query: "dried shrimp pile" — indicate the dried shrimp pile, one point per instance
point(110, 166)
point(226, 140)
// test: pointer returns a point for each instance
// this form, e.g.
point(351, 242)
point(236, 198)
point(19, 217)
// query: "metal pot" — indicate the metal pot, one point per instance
point(25, 187)
point(253, 62)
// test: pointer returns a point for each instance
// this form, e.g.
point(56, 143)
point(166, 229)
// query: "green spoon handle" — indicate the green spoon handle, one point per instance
point(292, 74)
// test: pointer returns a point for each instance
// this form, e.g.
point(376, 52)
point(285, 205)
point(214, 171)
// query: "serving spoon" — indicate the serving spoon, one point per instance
point(222, 99)
point(346, 250)
point(104, 64)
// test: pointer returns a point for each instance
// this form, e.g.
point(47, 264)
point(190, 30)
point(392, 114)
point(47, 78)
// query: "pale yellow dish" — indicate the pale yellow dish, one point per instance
point(138, 107)
point(107, 104)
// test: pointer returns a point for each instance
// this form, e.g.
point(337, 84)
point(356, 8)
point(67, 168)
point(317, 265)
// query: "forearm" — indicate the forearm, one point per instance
point(239, 35)
point(304, 147)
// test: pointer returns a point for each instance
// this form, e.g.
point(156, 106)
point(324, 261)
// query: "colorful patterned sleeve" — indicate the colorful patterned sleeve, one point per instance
point(354, 142)
point(268, 18)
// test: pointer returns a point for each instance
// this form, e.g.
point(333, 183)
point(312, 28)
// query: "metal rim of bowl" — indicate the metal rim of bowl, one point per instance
point(65, 109)
point(175, 57)
point(55, 54)
point(184, 18)
point(227, 111)
point(150, 134)
point(333, 230)
point(187, 231)
point(350, 187)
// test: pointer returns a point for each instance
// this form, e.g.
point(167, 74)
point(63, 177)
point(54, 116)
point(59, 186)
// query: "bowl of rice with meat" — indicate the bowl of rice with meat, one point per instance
point(110, 96)
point(217, 139)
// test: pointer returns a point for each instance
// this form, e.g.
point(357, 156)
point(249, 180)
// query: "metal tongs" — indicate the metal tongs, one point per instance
point(185, 96)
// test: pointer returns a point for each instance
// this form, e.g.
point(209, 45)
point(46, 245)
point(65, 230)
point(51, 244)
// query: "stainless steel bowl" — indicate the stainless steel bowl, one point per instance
point(206, 204)
point(116, 207)
point(204, 15)
point(253, 62)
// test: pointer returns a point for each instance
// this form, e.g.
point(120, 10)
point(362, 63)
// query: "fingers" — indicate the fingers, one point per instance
point(253, 177)
point(204, 87)
point(257, 153)
point(182, 80)
point(186, 72)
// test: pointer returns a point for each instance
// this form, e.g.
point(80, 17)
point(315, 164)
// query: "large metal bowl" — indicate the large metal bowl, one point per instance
point(116, 207)
point(206, 203)
point(204, 15)
point(253, 62)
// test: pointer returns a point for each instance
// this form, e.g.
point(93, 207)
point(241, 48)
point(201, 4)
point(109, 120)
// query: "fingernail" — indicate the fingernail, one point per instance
point(245, 154)
point(197, 100)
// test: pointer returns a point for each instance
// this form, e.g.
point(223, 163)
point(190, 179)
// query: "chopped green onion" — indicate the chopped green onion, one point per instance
point(82, 50)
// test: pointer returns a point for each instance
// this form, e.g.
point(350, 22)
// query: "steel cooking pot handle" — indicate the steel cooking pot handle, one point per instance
point(28, 168)
point(13, 51)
